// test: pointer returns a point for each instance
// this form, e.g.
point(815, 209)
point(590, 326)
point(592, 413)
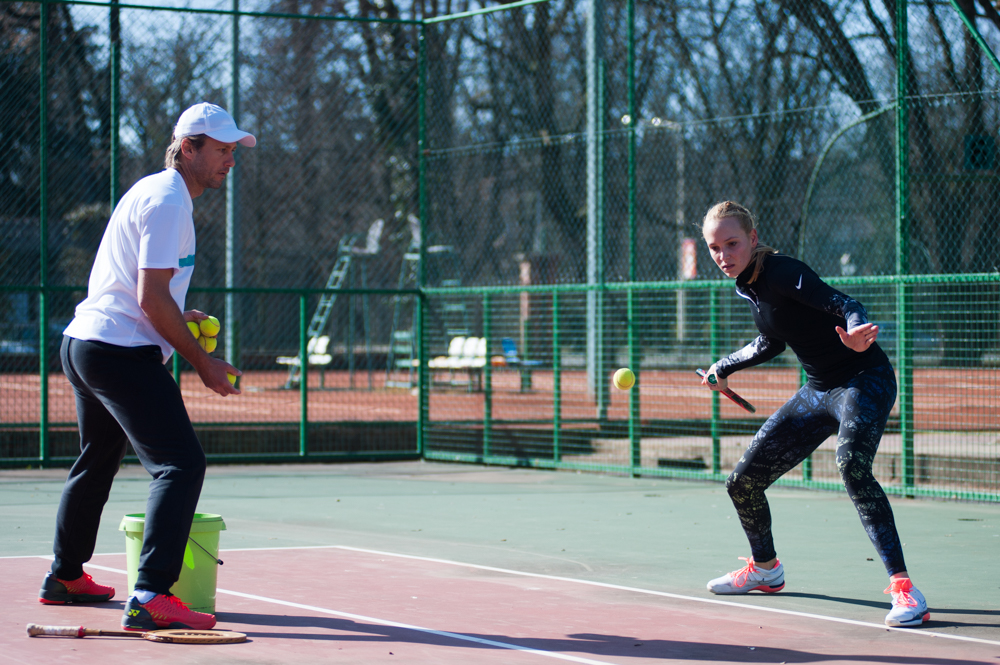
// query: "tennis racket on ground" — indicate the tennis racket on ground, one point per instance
point(173, 635)
point(747, 406)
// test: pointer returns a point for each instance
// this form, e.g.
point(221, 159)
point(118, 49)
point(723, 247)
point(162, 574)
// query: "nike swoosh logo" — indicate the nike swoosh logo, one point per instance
point(799, 285)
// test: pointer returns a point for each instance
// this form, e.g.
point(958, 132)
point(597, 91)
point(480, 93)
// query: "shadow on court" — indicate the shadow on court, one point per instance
point(935, 621)
point(592, 644)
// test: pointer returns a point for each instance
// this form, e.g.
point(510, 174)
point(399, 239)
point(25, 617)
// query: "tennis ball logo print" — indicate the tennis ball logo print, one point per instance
point(623, 379)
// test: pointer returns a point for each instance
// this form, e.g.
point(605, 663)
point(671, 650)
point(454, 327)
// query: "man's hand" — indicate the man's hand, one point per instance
point(214, 375)
point(720, 383)
point(860, 338)
point(159, 306)
point(195, 316)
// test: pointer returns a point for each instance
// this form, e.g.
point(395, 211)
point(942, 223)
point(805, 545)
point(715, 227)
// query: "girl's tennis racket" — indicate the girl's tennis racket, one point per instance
point(729, 393)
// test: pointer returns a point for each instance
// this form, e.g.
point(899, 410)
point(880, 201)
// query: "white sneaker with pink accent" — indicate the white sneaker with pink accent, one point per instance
point(909, 607)
point(750, 578)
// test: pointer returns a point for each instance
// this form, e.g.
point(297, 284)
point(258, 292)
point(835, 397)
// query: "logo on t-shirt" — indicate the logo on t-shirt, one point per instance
point(186, 261)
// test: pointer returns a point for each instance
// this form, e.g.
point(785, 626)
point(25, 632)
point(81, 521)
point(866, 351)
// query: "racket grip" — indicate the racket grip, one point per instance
point(35, 629)
point(700, 372)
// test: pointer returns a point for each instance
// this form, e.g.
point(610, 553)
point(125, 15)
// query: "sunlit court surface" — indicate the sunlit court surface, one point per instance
point(418, 562)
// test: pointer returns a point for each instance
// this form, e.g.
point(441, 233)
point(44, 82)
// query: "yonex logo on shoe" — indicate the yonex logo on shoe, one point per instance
point(133, 613)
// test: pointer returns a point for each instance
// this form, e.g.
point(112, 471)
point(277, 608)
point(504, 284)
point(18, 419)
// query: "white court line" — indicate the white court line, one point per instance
point(393, 624)
point(605, 585)
point(664, 594)
point(429, 631)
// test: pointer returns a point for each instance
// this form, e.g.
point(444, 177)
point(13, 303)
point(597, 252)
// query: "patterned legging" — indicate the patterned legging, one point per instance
point(857, 413)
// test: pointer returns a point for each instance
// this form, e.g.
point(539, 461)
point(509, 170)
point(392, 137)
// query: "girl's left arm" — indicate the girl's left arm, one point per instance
point(800, 283)
point(804, 286)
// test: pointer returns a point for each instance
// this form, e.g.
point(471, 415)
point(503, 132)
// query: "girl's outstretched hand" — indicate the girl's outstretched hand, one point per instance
point(859, 338)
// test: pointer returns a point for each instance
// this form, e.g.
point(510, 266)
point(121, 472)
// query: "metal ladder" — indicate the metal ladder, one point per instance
point(403, 341)
point(321, 316)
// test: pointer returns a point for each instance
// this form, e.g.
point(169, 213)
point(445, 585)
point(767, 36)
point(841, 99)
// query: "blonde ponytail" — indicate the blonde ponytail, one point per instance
point(747, 222)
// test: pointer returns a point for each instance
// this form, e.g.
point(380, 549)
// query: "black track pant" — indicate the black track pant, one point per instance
point(856, 412)
point(126, 394)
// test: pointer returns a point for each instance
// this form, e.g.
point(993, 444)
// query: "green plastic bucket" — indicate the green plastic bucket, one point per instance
point(200, 570)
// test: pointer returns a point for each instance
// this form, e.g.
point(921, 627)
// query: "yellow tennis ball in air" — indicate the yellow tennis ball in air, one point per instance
point(208, 343)
point(210, 326)
point(195, 330)
point(623, 379)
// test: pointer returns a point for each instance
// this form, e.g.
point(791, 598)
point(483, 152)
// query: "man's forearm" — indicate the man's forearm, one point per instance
point(167, 319)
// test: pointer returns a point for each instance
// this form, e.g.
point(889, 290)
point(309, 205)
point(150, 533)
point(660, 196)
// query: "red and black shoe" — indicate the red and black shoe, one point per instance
point(163, 611)
point(55, 591)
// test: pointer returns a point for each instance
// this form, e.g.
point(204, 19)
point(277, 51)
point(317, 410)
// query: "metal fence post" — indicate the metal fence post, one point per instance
point(713, 346)
point(971, 27)
point(556, 381)
point(43, 230)
point(233, 248)
point(903, 313)
point(634, 424)
point(423, 383)
point(487, 380)
point(303, 379)
point(807, 463)
point(114, 34)
point(595, 211)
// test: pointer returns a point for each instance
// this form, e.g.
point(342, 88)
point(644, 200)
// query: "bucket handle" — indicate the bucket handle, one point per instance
point(214, 558)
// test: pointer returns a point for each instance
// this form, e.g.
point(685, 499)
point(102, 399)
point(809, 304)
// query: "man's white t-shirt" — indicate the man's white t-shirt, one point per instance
point(151, 227)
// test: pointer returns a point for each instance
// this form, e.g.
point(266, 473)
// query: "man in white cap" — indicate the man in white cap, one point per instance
point(114, 354)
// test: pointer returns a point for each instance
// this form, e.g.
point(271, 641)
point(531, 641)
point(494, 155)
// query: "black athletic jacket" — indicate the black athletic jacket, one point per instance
point(792, 305)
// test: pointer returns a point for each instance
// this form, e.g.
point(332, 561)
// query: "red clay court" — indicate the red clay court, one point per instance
point(944, 399)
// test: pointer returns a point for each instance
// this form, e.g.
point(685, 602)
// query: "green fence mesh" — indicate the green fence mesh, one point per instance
point(531, 174)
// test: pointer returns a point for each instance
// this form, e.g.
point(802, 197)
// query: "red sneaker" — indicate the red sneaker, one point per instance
point(163, 611)
point(55, 591)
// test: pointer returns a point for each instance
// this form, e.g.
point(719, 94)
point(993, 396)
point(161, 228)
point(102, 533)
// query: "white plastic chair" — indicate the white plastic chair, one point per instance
point(468, 356)
point(455, 348)
point(316, 356)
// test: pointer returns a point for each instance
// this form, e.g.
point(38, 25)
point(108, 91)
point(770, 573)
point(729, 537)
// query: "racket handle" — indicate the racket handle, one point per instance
point(700, 372)
point(35, 629)
point(728, 392)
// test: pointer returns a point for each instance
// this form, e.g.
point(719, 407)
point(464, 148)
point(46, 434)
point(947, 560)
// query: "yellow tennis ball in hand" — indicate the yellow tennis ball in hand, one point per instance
point(623, 379)
point(208, 343)
point(210, 327)
point(231, 377)
point(195, 330)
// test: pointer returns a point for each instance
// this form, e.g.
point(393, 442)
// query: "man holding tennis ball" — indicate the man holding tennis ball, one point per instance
point(114, 352)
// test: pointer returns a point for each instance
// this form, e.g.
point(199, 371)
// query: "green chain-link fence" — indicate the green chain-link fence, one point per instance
point(540, 170)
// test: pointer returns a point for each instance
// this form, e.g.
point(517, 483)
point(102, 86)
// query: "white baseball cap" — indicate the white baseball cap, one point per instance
point(212, 121)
